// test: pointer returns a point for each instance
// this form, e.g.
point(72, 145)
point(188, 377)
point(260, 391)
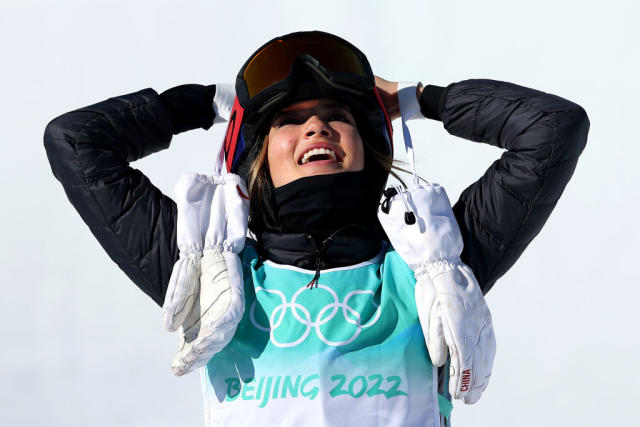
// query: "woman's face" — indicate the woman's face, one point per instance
point(314, 137)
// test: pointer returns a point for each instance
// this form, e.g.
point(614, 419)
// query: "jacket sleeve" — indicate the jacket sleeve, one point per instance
point(543, 135)
point(90, 149)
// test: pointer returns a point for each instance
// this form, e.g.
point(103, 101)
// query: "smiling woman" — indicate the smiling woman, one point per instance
point(318, 321)
point(314, 137)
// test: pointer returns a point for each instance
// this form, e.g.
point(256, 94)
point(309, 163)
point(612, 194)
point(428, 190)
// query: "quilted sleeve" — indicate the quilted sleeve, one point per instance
point(543, 136)
point(90, 149)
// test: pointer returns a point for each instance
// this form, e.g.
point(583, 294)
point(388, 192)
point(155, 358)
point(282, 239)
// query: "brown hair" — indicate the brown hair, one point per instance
point(388, 163)
point(260, 188)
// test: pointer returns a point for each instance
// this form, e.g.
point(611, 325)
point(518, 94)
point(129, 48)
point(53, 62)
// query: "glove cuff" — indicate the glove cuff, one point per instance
point(223, 102)
point(437, 267)
point(408, 101)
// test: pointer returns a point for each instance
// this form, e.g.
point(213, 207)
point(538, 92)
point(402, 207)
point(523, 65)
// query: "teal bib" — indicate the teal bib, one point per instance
point(349, 350)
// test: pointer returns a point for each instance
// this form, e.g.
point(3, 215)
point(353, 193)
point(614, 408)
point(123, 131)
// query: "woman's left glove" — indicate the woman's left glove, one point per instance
point(453, 313)
point(205, 297)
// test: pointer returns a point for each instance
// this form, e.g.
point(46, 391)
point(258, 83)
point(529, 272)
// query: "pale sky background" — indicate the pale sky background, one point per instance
point(82, 346)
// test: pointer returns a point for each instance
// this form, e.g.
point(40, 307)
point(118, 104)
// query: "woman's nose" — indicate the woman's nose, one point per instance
point(316, 126)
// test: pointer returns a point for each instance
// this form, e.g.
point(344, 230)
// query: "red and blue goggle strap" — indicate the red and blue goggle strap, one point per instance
point(233, 144)
point(389, 128)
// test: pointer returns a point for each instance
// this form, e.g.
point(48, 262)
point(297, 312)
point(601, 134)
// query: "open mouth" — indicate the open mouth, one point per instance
point(318, 154)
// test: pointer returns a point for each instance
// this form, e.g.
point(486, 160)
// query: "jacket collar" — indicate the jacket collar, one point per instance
point(347, 246)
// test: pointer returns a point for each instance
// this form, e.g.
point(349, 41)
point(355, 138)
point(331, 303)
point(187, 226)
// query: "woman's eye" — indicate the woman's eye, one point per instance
point(283, 121)
point(340, 117)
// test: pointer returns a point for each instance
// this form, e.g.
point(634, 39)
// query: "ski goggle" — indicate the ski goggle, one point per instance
point(272, 62)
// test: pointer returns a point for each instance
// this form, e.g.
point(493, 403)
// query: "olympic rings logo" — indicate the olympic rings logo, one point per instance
point(279, 312)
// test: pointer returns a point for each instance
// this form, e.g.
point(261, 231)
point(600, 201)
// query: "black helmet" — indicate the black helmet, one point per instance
point(293, 68)
point(296, 67)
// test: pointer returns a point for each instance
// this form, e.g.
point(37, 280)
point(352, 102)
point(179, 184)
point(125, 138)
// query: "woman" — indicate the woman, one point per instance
point(351, 348)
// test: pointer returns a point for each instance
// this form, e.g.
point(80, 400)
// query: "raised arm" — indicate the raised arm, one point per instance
point(506, 208)
point(90, 149)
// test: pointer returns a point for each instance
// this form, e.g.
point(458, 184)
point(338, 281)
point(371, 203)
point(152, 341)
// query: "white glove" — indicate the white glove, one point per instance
point(453, 313)
point(193, 199)
point(214, 289)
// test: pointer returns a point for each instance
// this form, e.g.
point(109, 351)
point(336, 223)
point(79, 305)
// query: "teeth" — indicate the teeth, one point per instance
point(315, 152)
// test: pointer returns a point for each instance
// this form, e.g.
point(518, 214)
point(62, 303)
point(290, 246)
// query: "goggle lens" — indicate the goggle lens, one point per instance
point(272, 63)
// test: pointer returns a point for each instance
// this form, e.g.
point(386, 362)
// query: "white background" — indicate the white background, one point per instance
point(82, 346)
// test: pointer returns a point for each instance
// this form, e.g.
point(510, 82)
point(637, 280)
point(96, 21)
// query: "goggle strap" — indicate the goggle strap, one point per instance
point(229, 144)
point(223, 102)
point(387, 119)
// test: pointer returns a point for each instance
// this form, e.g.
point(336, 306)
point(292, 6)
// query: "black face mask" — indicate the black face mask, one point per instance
point(321, 204)
point(324, 221)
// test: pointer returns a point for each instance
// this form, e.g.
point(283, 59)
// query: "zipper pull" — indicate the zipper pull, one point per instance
point(316, 277)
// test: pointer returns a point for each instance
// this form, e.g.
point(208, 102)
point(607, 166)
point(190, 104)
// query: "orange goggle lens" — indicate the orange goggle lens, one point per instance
point(273, 62)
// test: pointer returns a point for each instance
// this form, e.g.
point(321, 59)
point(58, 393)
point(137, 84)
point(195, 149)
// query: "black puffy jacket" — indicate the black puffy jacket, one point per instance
point(90, 149)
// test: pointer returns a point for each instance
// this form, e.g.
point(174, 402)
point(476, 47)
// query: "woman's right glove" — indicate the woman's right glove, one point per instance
point(454, 316)
point(205, 297)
